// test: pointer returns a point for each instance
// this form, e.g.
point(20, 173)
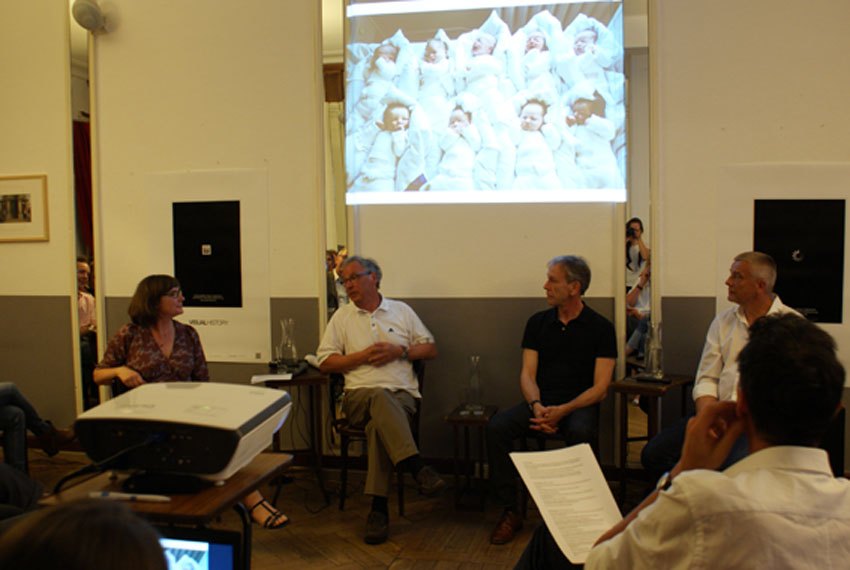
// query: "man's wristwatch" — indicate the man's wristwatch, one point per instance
point(664, 482)
point(531, 405)
point(404, 353)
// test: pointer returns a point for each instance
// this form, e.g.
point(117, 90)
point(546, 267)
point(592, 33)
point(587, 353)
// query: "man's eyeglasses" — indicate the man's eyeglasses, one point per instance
point(354, 277)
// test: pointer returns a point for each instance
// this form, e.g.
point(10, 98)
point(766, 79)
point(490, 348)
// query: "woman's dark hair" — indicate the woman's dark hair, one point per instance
point(81, 535)
point(640, 257)
point(144, 306)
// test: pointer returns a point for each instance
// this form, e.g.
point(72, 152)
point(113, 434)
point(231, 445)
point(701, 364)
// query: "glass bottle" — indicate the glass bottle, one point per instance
point(654, 352)
point(474, 397)
point(287, 353)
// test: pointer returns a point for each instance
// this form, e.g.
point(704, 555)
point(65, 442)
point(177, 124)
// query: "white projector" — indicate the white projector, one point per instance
point(206, 429)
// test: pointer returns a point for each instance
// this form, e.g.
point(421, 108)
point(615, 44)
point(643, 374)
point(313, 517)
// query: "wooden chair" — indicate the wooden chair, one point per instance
point(348, 433)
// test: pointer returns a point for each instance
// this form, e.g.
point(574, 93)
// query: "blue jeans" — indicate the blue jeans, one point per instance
point(662, 452)
point(16, 416)
point(505, 427)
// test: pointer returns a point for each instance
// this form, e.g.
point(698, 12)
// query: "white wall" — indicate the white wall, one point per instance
point(494, 250)
point(743, 83)
point(35, 138)
point(739, 82)
point(191, 86)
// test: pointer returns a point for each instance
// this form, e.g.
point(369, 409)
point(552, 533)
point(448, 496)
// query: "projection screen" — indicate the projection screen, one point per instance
point(472, 101)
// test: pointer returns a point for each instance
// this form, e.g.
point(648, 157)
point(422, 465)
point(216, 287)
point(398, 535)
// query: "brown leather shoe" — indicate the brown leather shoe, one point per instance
point(52, 440)
point(508, 526)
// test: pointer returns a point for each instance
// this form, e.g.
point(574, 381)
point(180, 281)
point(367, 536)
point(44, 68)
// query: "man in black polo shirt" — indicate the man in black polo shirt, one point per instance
point(568, 356)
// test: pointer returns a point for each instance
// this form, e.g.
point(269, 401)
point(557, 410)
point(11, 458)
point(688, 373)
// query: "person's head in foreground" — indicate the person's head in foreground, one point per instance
point(82, 535)
point(790, 379)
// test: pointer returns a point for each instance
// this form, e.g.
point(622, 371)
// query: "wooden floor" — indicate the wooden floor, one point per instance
point(431, 535)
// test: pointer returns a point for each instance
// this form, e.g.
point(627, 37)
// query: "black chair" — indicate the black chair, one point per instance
point(348, 433)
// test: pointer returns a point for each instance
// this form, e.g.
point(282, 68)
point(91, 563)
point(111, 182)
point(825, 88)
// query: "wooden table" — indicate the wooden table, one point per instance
point(631, 386)
point(316, 381)
point(457, 419)
point(196, 509)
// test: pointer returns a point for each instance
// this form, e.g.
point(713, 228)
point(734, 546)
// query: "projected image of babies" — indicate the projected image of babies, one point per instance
point(436, 83)
point(459, 145)
point(537, 64)
point(521, 102)
point(379, 78)
point(594, 133)
point(585, 42)
point(535, 42)
point(379, 171)
point(535, 163)
point(534, 51)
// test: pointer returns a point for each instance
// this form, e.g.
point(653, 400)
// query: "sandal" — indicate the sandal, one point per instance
point(272, 522)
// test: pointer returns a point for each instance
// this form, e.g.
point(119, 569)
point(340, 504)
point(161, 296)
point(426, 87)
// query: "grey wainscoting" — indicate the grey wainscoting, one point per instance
point(491, 328)
point(686, 320)
point(36, 352)
point(295, 433)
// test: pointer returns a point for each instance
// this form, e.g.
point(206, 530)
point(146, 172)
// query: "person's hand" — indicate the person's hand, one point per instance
point(632, 312)
point(546, 419)
point(129, 377)
point(456, 128)
point(382, 353)
point(710, 436)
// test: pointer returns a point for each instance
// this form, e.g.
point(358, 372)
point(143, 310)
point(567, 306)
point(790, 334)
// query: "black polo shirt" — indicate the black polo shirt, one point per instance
point(566, 354)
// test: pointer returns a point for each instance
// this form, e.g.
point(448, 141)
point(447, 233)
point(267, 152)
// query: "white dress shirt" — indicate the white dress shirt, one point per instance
point(352, 330)
point(777, 508)
point(717, 374)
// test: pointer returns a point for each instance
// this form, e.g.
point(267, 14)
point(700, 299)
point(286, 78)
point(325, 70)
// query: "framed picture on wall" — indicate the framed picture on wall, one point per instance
point(806, 239)
point(208, 253)
point(23, 208)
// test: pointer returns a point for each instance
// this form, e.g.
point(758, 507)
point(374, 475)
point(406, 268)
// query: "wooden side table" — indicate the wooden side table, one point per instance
point(458, 419)
point(316, 382)
point(629, 387)
point(197, 509)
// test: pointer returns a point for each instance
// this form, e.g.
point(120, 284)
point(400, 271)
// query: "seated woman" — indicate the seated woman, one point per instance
point(156, 348)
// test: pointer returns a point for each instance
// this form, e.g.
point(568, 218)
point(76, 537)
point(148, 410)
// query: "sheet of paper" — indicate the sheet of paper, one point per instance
point(260, 378)
point(573, 497)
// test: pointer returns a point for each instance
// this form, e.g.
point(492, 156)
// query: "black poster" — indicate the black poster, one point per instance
point(207, 253)
point(806, 238)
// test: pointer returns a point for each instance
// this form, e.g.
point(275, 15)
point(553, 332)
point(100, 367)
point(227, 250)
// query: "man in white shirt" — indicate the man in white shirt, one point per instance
point(750, 283)
point(779, 507)
point(372, 341)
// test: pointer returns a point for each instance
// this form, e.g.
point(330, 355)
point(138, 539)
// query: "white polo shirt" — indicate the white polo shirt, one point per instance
point(352, 329)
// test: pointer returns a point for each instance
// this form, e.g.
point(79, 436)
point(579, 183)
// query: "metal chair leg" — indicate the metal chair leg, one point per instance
point(343, 476)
